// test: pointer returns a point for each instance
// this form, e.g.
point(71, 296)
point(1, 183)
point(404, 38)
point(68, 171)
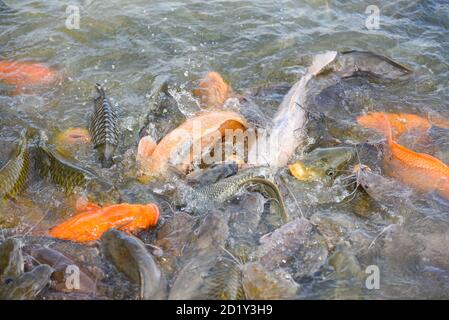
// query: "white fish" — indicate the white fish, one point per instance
point(288, 127)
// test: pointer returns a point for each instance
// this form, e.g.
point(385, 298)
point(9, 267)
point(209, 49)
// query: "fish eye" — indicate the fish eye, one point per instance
point(8, 281)
point(330, 172)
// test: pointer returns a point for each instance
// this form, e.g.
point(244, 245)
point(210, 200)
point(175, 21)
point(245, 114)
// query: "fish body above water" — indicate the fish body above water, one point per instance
point(104, 128)
point(288, 126)
point(14, 173)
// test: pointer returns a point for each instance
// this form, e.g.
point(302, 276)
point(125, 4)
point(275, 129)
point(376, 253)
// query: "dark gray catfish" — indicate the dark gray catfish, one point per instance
point(131, 257)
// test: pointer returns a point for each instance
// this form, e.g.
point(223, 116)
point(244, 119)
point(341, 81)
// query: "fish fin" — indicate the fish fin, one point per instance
point(146, 147)
point(320, 61)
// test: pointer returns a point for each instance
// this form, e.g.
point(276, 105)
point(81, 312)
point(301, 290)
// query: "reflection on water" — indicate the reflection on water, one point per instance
point(133, 47)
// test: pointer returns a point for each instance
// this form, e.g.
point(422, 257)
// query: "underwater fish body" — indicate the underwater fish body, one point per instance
point(24, 74)
point(90, 225)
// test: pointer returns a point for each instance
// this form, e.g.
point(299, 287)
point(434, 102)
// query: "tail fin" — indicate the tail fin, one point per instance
point(273, 192)
point(321, 60)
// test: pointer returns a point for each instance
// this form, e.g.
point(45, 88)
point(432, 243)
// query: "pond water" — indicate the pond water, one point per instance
point(132, 47)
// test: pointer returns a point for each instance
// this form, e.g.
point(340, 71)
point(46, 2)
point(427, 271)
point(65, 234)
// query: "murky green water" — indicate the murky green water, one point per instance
point(131, 47)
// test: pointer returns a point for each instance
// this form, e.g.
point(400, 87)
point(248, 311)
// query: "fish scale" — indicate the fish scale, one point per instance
point(61, 172)
point(225, 189)
point(104, 128)
point(15, 172)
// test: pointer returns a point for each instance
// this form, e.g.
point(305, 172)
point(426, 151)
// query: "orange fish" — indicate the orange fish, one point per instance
point(24, 74)
point(401, 122)
point(212, 90)
point(177, 147)
point(418, 170)
point(91, 224)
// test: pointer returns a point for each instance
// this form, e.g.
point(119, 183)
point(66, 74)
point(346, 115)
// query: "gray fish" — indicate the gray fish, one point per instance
point(212, 174)
point(131, 257)
point(28, 285)
point(216, 194)
point(15, 172)
point(351, 63)
point(60, 263)
point(11, 259)
point(295, 246)
point(14, 283)
point(261, 284)
point(104, 128)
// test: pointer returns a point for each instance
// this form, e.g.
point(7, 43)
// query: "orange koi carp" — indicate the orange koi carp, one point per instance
point(400, 123)
point(418, 170)
point(90, 225)
point(178, 147)
point(212, 90)
point(24, 74)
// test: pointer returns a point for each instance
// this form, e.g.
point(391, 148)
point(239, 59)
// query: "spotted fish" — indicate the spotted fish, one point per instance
point(104, 128)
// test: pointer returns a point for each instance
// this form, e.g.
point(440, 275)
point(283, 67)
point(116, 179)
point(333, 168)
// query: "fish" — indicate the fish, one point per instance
point(14, 173)
point(224, 281)
point(322, 163)
point(90, 225)
point(15, 284)
point(216, 194)
point(131, 257)
point(243, 225)
point(61, 171)
point(262, 284)
point(103, 128)
point(295, 246)
point(23, 74)
point(212, 90)
point(213, 174)
point(60, 263)
point(353, 62)
point(421, 171)
point(178, 147)
point(11, 259)
point(70, 139)
point(401, 123)
point(288, 128)
point(380, 188)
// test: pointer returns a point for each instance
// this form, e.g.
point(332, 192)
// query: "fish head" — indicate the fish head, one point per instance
point(322, 164)
point(28, 285)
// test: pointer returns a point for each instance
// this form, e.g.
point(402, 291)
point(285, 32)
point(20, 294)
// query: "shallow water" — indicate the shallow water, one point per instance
point(131, 47)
